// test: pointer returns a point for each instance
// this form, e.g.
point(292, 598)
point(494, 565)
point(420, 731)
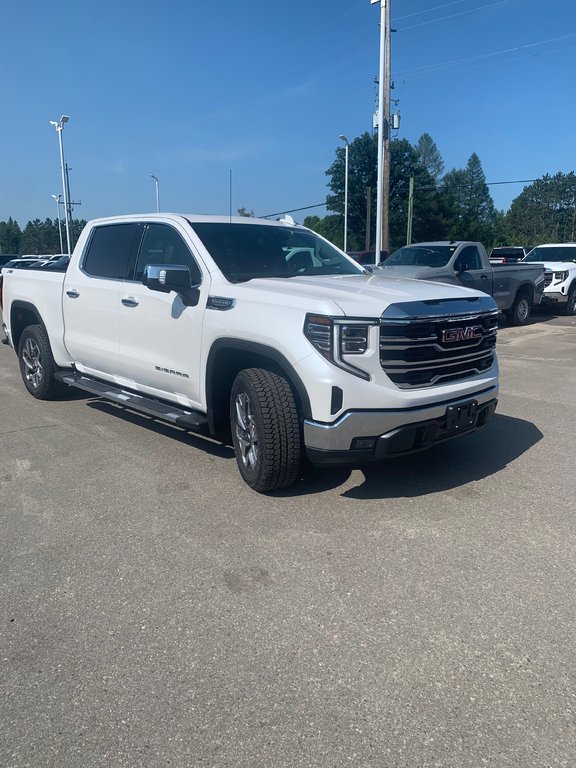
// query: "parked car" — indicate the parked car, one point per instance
point(515, 287)
point(6, 257)
point(509, 254)
point(559, 260)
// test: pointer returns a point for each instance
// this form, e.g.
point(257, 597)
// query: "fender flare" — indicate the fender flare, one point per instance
point(261, 355)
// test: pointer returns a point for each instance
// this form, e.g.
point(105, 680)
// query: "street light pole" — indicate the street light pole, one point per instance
point(345, 140)
point(155, 178)
point(57, 198)
point(59, 125)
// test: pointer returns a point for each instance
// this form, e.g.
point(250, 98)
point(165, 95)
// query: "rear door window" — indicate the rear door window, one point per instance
point(109, 250)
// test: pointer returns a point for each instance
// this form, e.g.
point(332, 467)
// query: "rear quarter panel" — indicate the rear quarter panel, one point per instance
point(29, 290)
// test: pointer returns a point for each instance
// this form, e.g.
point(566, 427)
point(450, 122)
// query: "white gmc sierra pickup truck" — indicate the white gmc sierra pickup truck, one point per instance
point(257, 331)
point(559, 261)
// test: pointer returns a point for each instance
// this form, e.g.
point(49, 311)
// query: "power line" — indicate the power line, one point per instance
point(292, 210)
point(428, 10)
point(468, 59)
point(452, 15)
point(520, 181)
point(321, 205)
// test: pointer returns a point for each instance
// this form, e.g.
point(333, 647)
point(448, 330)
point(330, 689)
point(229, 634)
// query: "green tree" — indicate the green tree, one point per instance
point(75, 229)
point(468, 210)
point(10, 234)
point(362, 174)
point(405, 164)
point(329, 227)
point(429, 156)
point(545, 211)
point(362, 164)
point(36, 237)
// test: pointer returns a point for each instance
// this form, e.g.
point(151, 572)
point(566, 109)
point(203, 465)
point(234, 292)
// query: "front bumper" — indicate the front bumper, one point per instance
point(362, 436)
point(554, 297)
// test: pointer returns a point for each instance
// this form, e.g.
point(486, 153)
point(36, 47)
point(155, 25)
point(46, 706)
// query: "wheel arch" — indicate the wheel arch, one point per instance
point(23, 314)
point(229, 356)
point(525, 289)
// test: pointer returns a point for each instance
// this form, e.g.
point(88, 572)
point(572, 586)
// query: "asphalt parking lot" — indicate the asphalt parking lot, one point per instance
point(418, 613)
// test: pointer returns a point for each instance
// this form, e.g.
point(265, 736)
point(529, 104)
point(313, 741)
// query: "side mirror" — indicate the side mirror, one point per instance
point(172, 277)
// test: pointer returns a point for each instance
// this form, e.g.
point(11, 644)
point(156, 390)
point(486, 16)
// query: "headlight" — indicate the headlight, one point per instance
point(559, 277)
point(353, 339)
point(334, 337)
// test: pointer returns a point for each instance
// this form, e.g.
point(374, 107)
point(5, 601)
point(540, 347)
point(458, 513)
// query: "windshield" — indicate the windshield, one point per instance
point(246, 251)
point(552, 253)
point(422, 256)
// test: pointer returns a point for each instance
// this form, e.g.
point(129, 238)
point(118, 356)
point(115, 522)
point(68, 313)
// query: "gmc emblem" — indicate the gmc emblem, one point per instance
point(450, 335)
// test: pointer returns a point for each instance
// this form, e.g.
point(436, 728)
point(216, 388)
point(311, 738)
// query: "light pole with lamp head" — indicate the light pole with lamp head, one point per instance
point(59, 125)
point(155, 178)
point(57, 198)
point(345, 140)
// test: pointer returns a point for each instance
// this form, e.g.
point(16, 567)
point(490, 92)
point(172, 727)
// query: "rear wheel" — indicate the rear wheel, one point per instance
point(570, 307)
point(265, 429)
point(519, 312)
point(37, 365)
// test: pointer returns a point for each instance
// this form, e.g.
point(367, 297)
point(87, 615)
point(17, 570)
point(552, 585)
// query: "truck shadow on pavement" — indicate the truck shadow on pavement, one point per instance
point(193, 439)
point(449, 466)
point(445, 467)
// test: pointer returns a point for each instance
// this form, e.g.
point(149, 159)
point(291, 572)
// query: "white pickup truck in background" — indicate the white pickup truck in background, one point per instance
point(559, 261)
point(257, 332)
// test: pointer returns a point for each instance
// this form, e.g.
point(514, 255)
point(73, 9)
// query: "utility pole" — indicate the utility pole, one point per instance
point(383, 188)
point(70, 207)
point(410, 211)
point(386, 132)
point(368, 215)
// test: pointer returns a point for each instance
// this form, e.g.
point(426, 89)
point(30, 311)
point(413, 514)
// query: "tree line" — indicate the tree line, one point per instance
point(452, 205)
point(37, 237)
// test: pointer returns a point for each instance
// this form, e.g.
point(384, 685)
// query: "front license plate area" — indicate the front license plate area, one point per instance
point(461, 417)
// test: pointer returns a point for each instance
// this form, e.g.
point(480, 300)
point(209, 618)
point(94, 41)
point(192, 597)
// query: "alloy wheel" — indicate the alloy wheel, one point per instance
point(32, 359)
point(246, 433)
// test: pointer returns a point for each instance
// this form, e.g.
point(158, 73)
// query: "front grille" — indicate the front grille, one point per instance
point(548, 277)
point(428, 351)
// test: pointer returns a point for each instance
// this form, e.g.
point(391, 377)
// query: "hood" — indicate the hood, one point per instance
point(556, 266)
point(349, 295)
point(416, 272)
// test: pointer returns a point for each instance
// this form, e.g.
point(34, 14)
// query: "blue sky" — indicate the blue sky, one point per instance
point(191, 91)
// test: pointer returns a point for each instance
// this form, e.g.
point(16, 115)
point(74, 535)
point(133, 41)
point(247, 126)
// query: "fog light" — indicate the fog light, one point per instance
point(363, 443)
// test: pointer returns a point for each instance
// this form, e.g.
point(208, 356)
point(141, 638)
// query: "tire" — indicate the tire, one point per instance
point(519, 312)
point(265, 430)
point(570, 306)
point(37, 366)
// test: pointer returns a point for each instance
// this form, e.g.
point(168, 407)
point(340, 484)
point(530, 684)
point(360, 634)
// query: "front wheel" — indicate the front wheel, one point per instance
point(519, 313)
point(570, 306)
point(265, 429)
point(37, 366)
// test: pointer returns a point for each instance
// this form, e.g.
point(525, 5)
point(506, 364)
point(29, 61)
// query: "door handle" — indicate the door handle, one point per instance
point(73, 293)
point(484, 277)
point(130, 302)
